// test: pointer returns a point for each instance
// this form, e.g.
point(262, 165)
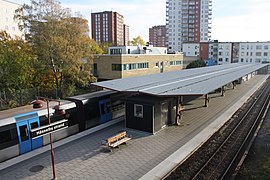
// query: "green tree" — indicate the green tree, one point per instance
point(196, 64)
point(16, 64)
point(60, 42)
point(138, 41)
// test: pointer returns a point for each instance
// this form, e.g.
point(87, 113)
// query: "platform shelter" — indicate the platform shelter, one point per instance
point(157, 100)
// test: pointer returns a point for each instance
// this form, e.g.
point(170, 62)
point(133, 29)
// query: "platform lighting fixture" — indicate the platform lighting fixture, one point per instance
point(38, 103)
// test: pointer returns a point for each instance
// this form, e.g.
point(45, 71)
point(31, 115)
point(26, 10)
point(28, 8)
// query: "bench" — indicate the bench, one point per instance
point(117, 140)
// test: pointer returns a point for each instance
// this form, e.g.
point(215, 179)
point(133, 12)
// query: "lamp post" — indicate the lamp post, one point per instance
point(39, 104)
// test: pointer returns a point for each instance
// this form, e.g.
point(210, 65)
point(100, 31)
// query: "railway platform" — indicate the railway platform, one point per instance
point(145, 156)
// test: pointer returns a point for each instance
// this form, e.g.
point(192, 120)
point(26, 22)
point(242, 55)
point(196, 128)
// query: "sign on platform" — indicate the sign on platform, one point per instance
point(43, 130)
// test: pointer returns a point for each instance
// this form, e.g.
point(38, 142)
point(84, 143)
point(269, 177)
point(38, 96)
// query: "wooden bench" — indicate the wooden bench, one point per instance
point(117, 140)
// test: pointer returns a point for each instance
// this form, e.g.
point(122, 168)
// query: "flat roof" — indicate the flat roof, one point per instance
point(197, 81)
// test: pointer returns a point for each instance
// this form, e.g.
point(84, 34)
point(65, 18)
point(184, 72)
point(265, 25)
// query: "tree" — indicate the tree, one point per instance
point(60, 42)
point(16, 64)
point(196, 64)
point(138, 41)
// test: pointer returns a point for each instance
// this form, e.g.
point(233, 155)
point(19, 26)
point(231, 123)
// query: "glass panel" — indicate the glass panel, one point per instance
point(108, 105)
point(34, 125)
point(24, 133)
point(103, 108)
point(138, 110)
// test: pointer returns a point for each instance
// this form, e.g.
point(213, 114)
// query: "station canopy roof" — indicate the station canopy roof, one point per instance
point(197, 81)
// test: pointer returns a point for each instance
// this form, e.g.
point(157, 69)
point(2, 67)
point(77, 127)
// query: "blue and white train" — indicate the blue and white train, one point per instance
point(84, 112)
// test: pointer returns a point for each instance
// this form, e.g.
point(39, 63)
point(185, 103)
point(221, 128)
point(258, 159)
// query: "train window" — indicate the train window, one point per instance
point(108, 107)
point(8, 136)
point(5, 136)
point(24, 133)
point(103, 109)
point(34, 125)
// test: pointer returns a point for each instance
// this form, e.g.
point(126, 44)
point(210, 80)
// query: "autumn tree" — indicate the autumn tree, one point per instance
point(60, 42)
point(16, 65)
point(138, 41)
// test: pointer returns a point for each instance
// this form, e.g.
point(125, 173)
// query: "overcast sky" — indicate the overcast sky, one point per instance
point(235, 20)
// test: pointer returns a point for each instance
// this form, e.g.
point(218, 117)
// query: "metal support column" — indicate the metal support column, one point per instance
point(178, 111)
point(233, 85)
point(222, 91)
point(206, 100)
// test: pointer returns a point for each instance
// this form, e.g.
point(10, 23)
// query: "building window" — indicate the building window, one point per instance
point(257, 60)
point(138, 110)
point(265, 54)
point(132, 66)
point(116, 67)
point(258, 53)
point(258, 47)
point(115, 51)
point(142, 65)
point(220, 59)
point(175, 63)
point(242, 59)
point(265, 46)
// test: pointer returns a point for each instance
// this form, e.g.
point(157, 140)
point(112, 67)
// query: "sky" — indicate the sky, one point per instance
point(235, 20)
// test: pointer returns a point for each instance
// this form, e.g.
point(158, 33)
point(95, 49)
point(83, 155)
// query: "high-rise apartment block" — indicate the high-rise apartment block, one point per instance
point(187, 21)
point(126, 35)
point(157, 36)
point(7, 22)
point(108, 27)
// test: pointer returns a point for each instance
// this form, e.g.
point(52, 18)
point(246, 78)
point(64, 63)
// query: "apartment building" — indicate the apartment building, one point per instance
point(187, 21)
point(230, 52)
point(7, 22)
point(130, 61)
point(157, 36)
point(108, 27)
point(254, 52)
point(126, 35)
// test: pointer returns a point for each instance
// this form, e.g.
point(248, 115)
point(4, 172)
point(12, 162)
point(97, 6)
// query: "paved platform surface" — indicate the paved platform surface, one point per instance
point(146, 156)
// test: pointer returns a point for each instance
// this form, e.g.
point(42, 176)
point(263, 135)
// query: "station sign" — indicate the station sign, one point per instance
point(43, 130)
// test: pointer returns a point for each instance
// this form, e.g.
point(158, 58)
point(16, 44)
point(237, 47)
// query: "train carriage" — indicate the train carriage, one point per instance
point(82, 112)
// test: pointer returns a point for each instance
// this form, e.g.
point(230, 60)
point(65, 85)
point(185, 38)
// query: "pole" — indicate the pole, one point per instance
point(52, 153)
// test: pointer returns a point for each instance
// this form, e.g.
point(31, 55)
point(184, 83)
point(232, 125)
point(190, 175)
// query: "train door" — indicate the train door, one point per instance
point(105, 110)
point(25, 123)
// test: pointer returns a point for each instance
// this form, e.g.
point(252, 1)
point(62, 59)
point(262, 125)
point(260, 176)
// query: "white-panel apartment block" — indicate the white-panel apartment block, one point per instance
point(254, 52)
point(224, 52)
point(7, 22)
point(206, 20)
point(191, 49)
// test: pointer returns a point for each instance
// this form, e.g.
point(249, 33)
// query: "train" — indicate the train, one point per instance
point(82, 112)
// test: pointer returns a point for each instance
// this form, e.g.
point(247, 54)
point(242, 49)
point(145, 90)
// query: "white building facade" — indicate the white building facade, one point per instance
point(116, 50)
point(7, 22)
point(254, 52)
point(224, 53)
point(187, 21)
point(191, 49)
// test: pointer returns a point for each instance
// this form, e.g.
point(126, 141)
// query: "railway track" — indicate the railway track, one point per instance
point(220, 155)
